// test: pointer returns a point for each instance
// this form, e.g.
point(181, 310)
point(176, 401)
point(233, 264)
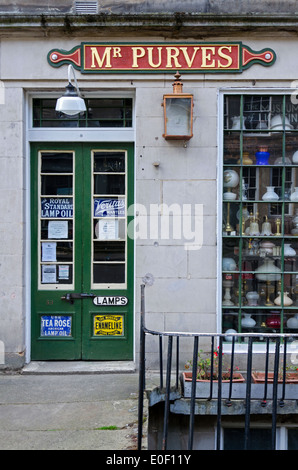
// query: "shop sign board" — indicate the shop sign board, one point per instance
point(108, 325)
point(111, 300)
point(109, 207)
point(55, 325)
point(56, 207)
point(196, 57)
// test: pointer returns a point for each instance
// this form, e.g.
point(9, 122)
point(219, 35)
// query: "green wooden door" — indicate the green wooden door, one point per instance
point(82, 257)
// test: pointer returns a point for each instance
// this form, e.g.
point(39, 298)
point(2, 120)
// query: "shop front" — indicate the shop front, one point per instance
point(191, 184)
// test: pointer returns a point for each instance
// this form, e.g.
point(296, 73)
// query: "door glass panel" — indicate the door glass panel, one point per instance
point(50, 229)
point(109, 251)
point(57, 162)
point(56, 222)
point(109, 218)
point(109, 273)
point(109, 184)
point(109, 162)
point(56, 184)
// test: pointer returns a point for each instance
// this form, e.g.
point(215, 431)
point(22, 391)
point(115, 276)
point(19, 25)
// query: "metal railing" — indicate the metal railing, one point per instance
point(273, 344)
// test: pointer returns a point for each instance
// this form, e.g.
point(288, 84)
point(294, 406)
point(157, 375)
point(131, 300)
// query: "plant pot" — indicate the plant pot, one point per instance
point(259, 377)
point(203, 386)
point(237, 377)
point(238, 388)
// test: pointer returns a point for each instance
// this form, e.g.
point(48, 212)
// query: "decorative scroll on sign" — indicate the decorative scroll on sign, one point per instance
point(161, 57)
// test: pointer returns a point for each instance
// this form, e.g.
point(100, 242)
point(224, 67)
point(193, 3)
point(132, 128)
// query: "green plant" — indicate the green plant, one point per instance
point(204, 363)
point(290, 368)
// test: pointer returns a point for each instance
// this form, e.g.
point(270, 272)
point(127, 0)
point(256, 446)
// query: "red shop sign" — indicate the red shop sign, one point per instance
point(161, 57)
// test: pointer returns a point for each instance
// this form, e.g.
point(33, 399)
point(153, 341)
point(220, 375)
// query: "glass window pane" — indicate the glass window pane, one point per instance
point(109, 184)
point(109, 251)
point(57, 162)
point(111, 112)
point(109, 162)
point(256, 112)
point(56, 251)
point(54, 229)
point(292, 439)
point(56, 185)
point(108, 273)
point(178, 116)
point(260, 439)
point(56, 273)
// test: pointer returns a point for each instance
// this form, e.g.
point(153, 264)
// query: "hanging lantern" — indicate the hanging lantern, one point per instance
point(178, 113)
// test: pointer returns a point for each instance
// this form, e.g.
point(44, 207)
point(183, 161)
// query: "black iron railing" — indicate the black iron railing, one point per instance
point(275, 349)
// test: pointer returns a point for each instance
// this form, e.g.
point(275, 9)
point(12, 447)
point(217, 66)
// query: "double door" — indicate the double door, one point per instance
point(82, 256)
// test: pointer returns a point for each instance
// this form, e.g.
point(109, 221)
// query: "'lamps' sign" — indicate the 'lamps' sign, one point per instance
point(161, 57)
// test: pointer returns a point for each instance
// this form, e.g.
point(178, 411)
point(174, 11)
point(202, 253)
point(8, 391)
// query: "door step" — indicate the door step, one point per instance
point(79, 367)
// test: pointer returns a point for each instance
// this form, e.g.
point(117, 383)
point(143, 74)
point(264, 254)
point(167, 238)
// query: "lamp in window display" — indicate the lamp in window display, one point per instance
point(266, 228)
point(268, 273)
point(262, 156)
point(230, 180)
point(178, 113)
point(270, 194)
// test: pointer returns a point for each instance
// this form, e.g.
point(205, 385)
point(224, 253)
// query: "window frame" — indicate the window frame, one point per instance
point(80, 134)
point(223, 92)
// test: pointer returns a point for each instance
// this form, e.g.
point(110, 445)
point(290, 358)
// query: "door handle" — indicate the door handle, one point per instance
point(70, 297)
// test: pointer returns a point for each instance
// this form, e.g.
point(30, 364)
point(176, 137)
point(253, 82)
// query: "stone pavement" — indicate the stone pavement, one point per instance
point(60, 410)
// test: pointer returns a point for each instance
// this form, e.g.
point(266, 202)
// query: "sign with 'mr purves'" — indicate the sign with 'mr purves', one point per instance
point(196, 57)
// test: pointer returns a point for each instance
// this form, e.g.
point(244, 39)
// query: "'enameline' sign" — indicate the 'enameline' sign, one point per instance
point(200, 57)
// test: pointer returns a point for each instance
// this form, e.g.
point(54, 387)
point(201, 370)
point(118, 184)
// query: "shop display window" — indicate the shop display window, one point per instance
point(260, 214)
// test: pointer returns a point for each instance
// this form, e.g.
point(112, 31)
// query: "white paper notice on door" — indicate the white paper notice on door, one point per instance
point(48, 251)
point(58, 229)
point(63, 272)
point(106, 229)
point(49, 274)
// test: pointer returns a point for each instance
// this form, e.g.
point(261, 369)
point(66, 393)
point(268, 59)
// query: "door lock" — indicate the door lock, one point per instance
point(70, 297)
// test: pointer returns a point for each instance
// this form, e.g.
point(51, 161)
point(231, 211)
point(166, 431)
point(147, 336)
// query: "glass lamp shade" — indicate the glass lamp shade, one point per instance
point(70, 103)
point(178, 116)
point(231, 179)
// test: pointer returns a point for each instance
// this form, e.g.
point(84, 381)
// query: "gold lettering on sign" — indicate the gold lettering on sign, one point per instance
point(117, 52)
point(207, 56)
point(172, 54)
point(137, 53)
point(189, 60)
point(150, 58)
point(225, 56)
point(100, 62)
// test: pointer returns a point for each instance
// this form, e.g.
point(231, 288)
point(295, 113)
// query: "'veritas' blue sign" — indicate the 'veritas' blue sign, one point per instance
point(109, 207)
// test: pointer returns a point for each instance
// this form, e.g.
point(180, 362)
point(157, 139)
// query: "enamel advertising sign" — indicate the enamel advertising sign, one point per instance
point(161, 57)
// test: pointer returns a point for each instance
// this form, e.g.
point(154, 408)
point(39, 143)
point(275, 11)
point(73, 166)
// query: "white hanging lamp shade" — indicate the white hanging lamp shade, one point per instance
point(71, 102)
